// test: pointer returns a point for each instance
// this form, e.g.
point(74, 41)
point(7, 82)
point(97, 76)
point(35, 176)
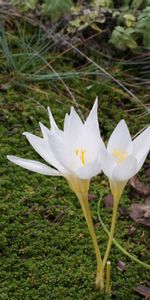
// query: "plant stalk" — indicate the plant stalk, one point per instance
point(112, 230)
point(117, 189)
point(108, 285)
point(83, 198)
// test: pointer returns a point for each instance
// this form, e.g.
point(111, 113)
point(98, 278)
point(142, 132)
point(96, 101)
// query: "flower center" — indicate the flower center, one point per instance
point(81, 154)
point(119, 155)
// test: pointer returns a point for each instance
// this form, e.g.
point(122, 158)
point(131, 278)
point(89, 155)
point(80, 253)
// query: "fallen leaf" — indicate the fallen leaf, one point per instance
point(140, 212)
point(121, 266)
point(139, 186)
point(143, 289)
point(108, 201)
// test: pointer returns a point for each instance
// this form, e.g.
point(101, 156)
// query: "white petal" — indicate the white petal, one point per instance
point(42, 147)
point(141, 162)
point(45, 131)
point(73, 128)
point(82, 137)
point(89, 137)
point(91, 123)
point(92, 117)
point(61, 151)
point(141, 146)
point(89, 171)
point(124, 171)
point(75, 117)
point(91, 142)
point(108, 165)
point(66, 120)
point(53, 124)
point(52, 121)
point(74, 125)
point(120, 139)
point(33, 165)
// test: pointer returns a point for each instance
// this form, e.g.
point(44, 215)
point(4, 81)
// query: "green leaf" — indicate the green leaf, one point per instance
point(24, 6)
point(136, 4)
point(146, 39)
point(129, 20)
point(123, 38)
point(103, 3)
point(143, 26)
point(144, 19)
point(56, 8)
point(95, 27)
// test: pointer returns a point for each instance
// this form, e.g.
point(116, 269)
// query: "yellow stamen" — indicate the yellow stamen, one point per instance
point(81, 154)
point(77, 151)
point(82, 157)
point(120, 155)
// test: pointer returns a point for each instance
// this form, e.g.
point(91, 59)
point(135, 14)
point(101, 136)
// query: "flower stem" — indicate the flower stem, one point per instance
point(108, 286)
point(83, 198)
point(112, 230)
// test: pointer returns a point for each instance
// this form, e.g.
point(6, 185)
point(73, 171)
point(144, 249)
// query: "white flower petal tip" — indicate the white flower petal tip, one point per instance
point(33, 165)
point(122, 122)
point(52, 121)
point(45, 131)
point(92, 119)
point(120, 138)
point(96, 102)
point(122, 125)
point(41, 125)
point(28, 134)
point(74, 116)
point(93, 112)
point(25, 133)
point(94, 108)
point(10, 157)
point(72, 110)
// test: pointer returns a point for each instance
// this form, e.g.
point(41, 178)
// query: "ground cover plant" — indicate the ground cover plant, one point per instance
point(46, 252)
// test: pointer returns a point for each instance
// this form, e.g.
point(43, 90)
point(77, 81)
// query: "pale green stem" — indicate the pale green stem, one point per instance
point(83, 198)
point(112, 230)
point(117, 189)
point(108, 284)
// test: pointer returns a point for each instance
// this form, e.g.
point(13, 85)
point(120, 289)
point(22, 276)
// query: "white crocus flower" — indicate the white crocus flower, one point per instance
point(123, 159)
point(73, 153)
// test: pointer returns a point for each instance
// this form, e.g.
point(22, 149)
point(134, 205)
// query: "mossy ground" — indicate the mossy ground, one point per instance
point(45, 248)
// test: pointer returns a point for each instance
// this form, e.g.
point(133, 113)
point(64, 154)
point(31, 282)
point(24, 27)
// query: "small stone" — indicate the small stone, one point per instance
point(108, 201)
